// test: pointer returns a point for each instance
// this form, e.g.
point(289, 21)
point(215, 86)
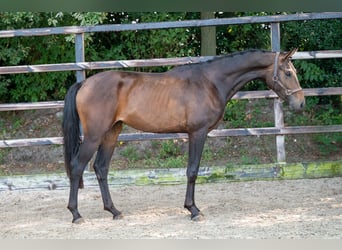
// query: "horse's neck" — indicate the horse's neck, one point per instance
point(230, 74)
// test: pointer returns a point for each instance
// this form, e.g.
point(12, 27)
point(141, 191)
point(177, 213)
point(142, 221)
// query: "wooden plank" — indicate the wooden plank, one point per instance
point(116, 64)
point(243, 132)
point(275, 131)
point(271, 94)
point(102, 65)
point(323, 54)
point(31, 142)
point(40, 68)
point(154, 136)
point(170, 24)
point(31, 105)
point(323, 91)
point(260, 94)
point(147, 62)
point(311, 129)
point(171, 176)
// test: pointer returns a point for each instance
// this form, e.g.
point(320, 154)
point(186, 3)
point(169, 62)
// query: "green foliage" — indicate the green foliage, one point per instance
point(39, 50)
point(328, 143)
point(235, 113)
point(313, 35)
point(165, 154)
point(311, 72)
point(240, 37)
point(317, 113)
point(141, 44)
point(242, 114)
point(173, 162)
point(130, 153)
point(246, 160)
point(169, 148)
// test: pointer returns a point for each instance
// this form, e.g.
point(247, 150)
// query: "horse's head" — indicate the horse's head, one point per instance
point(284, 81)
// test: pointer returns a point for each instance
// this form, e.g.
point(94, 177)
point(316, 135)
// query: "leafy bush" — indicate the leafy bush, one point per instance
point(39, 50)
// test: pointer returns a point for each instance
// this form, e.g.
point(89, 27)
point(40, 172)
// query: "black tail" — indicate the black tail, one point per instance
point(71, 128)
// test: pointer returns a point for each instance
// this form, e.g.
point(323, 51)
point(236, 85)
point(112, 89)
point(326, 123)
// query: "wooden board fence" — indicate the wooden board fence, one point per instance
point(80, 66)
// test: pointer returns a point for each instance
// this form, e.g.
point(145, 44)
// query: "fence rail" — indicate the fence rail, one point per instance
point(172, 24)
point(239, 95)
point(80, 66)
point(153, 136)
point(142, 63)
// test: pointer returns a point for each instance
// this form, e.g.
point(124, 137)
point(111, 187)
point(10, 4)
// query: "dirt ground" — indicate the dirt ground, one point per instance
point(294, 209)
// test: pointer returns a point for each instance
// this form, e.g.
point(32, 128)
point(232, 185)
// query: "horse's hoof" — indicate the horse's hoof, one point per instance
point(198, 217)
point(78, 221)
point(118, 217)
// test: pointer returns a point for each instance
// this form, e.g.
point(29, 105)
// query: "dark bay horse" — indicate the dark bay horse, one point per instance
point(187, 99)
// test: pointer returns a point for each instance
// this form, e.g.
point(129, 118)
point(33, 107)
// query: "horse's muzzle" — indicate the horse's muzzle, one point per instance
point(296, 102)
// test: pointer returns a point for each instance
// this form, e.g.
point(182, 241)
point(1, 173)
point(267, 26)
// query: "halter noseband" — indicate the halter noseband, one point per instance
point(275, 78)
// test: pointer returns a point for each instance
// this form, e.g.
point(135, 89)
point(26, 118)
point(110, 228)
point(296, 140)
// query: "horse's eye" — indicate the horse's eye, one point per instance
point(287, 73)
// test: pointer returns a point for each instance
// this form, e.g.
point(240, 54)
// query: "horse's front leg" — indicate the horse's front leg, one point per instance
point(196, 143)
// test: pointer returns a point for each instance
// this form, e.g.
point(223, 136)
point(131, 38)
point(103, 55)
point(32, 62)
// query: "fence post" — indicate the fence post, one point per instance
point(278, 106)
point(79, 55)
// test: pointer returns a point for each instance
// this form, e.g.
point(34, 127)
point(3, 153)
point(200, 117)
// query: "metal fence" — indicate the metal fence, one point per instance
point(80, 66)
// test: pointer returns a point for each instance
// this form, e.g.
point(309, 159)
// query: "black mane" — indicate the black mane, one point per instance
point(220, 57)
point(237, 53)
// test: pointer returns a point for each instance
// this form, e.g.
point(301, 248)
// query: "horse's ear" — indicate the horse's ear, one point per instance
point(290, 54)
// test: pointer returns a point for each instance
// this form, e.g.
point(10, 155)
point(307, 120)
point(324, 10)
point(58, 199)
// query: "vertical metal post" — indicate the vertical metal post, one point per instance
point(79, 55)
point(278, 106)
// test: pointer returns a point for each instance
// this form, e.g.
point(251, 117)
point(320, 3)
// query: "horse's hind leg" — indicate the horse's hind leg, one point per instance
point(101, 167)
point(86, 151)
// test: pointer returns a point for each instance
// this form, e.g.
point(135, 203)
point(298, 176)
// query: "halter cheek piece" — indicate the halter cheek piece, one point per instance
point(276, 80)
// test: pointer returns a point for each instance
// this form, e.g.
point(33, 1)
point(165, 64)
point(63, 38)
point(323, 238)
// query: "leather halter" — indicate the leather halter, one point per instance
point(276, 80)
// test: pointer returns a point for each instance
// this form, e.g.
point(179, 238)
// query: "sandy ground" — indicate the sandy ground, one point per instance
point(305, 209)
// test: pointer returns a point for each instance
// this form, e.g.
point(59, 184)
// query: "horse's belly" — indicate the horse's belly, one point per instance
point(156, 122)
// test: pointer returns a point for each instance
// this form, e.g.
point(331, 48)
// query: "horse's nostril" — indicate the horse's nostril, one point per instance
point(302, 105)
